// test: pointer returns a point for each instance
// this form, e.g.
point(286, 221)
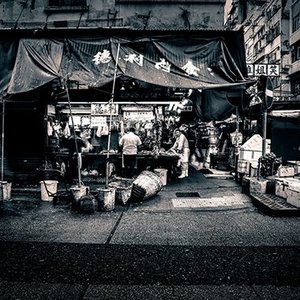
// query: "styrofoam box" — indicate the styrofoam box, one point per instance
point(252, 149)
point(250, 154)
point(255, 143)
point(286, 171)
point(293, 196)
point(243, 166)
point(259, 186)
point(295, 164)
point(282, 184)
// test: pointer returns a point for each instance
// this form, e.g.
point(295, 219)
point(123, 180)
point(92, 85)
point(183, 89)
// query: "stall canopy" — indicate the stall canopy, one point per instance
point(178, 61)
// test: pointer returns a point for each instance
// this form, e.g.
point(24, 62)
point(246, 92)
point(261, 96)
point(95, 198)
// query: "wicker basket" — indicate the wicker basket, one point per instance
point(146, 185)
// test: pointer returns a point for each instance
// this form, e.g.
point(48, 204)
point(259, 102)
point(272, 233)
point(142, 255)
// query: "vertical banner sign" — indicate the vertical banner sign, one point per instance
point(269, 94)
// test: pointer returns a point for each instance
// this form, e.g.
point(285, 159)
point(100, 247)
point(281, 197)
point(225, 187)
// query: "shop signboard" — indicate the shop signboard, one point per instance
point(104, 109)
point(255, 70)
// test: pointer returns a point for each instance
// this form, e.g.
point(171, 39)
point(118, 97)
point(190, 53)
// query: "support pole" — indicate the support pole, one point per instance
point(2, 140)
point(264, 137)
point(110, 103)
point(75, 137)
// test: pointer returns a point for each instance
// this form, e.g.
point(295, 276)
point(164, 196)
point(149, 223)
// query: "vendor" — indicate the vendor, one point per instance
point(75, 144)
point(129, 143)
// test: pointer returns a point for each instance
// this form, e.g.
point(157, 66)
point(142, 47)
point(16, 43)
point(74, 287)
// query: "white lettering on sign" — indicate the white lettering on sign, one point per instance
point(102, 57)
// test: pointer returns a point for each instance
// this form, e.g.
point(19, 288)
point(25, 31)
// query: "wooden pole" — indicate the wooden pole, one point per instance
point(110, 103)
point(2, 139)
point(74, 133)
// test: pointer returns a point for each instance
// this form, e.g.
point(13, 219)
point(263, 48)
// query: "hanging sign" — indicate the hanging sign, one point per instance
point(272, 70)
point(269, 93)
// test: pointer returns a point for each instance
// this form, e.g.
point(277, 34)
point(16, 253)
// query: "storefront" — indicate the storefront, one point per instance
point(104, 82)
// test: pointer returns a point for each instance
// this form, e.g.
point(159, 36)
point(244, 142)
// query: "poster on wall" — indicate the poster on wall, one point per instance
point(97, 121)
point(104, 109)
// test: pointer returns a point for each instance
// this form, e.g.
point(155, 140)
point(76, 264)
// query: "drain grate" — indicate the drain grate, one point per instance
point(206, 171)
point(187, 194)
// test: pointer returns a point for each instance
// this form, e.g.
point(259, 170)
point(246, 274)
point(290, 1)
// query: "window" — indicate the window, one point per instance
point(296, 22)
point(63, 3)
point(66, 5)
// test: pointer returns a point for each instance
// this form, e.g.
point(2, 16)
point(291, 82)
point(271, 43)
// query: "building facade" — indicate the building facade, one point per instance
point(267, 32)
point(272, 42)
point(137, 14)
point(294, 70)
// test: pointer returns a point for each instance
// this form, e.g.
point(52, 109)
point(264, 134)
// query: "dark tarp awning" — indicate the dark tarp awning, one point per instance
point(179, 61)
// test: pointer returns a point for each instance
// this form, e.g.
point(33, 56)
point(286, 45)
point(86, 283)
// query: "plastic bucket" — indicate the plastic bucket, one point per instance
point(48, 189)
point(5, 193)
point(106, 198)
point(77, 193)
point(162, 173)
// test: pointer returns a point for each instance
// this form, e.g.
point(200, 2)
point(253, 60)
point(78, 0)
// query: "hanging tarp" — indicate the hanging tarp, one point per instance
point(8, 53)
point(180, 62)
point(170, 61)
point(81, 65)
point(38, 62)
point(212, 105)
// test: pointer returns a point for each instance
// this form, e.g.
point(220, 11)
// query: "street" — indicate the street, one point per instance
point(151, 250)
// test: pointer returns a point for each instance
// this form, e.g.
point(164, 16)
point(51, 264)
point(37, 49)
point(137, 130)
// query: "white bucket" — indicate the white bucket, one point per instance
point(79, 191)
point(106, 198)
point(48, 189)
point(5, 193)
point(162, 173)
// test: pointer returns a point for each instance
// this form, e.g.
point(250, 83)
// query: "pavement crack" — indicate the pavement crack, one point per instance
point(114, 229)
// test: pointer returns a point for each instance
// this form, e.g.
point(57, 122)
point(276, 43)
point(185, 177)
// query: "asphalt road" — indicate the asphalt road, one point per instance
point(152, 250)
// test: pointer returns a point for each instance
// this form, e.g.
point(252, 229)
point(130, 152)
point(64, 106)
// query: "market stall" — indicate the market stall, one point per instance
point(150, 68)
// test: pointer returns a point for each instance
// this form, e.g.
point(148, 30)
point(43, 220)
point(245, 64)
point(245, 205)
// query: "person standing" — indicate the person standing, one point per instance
point(129, 143)
point(75, 145)
point(181, 146)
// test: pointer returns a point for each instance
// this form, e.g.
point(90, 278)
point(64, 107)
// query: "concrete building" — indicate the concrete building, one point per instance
point(272, 42)
point(294, 70)
point(267, 32)
point(136, 14)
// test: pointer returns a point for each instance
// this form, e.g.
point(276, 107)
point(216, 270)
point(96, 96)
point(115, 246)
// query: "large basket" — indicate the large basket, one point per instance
point(146, 185)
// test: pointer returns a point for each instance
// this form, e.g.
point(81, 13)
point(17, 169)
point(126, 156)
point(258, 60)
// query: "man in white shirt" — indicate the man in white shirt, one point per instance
point(129, 143)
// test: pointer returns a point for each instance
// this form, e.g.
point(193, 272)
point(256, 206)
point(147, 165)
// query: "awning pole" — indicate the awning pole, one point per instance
point(110, 103)
point(2, 141)
point(74, 133)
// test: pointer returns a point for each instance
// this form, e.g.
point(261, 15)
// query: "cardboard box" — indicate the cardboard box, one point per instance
point(293, 196)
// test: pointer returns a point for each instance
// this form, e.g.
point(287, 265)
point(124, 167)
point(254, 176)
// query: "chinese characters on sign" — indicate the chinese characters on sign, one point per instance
point(271, 70)
point(104, 57)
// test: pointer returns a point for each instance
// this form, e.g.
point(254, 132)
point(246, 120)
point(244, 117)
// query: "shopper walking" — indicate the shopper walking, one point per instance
point(129, 143)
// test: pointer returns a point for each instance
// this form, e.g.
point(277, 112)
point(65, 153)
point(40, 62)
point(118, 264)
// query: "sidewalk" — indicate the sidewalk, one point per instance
point(198, 238)
point(213, 190)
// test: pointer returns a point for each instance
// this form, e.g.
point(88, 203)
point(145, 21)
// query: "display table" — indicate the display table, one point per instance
point(97, 161)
